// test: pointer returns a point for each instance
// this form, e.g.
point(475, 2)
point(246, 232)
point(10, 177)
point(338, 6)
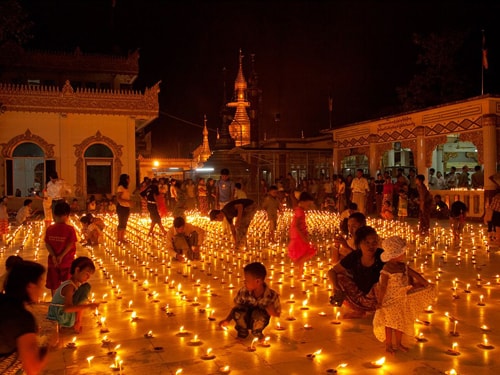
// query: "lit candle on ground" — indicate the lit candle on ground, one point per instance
point(453, 350)
point(104, 329)
point(252, 347)
point(481, 301)
point(378, 363)
point(485, 328)
point(336, 369)
point(208, 355)
point(195, 302)
point(71, 344)
point(429, 310)
point(105, 340)
point(291, 300)
point(266, 343)
point(182, 332)
point(467, 288)
point(129, 308)
point(148, 335)
point(304, 305)
point(322, 313)
point(455, 332)
point(89, 360)
point(211, 317)
point(225, 370)
point(279, 327)
point(420, 337)
point(313, 355)
point(451, 372)
point(195, 341)
point(290, 314)
point(134, 317)
point(336, 320)
point(307, 326)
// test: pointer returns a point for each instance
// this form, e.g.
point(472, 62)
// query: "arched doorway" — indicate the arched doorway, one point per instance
point(98, 169)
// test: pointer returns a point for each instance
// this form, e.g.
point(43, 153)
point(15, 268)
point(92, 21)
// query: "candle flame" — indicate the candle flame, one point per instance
point(90, 358)
point(317, 352)
point(178, 371)
point(74, 339)
point(209, 350)
point(181, 329)
point(342, 365)
point(380, 362)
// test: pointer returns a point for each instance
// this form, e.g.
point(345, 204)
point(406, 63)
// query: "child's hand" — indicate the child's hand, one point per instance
point(223, 323)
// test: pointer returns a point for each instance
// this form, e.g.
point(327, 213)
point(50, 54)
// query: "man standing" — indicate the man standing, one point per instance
point(56, 189)
point(238, 215)
point(463, 179)
point(477, 178)
point(433, 181)
point(184, 240)
point(224, 189)
point(272, 206)
point(425, 202)
point(360, 189)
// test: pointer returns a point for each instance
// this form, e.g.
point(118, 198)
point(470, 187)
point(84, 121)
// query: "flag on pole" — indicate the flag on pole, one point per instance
point(330, 103)
point(485, 53)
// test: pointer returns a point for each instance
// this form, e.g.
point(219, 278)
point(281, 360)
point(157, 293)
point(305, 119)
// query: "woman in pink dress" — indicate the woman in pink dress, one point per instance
point(299, 248)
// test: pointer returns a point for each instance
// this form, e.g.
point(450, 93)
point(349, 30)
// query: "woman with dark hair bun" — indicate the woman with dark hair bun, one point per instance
point(355, 277)
point(19, 349)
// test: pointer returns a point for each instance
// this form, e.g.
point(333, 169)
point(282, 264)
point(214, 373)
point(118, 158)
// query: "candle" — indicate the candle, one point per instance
point(71, 344)
point(454, 332)
point(89, 359)
point(266, 342)
point(195, 341)
point(225, 370)
point(148, 334)
point(211, 317)
point(485, 328)
point(313, 355)
point(182, 332)
point(134, 317)
point(279, 327)
point(252, 347)
point(420, 337)
point(429, 310)
point(336, 320)
point(467, 288)
point(481, 301)
point(105, 340)
point(454, 350)
point(208, 355)
point(378, 363)
point(129, 308)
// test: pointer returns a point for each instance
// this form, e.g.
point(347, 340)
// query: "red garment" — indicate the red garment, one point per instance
point(58, 236)
point(297, 246)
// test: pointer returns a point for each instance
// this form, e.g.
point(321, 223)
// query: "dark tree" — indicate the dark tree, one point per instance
point(441, 75)
point(15, 25)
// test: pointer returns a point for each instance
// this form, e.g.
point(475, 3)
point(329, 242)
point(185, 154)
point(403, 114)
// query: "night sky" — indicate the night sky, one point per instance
point(359, 51)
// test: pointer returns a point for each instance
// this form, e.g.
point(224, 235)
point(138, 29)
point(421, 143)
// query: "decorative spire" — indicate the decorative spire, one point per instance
point(205, 148)
point(240, 126)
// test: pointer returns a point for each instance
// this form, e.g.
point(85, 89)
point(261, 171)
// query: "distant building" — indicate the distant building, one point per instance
point(73, 113)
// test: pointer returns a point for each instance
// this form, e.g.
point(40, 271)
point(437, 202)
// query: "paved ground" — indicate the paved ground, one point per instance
point(190, 295)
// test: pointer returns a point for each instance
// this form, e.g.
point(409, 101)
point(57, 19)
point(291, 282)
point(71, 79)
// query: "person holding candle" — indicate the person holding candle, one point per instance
point(237, 215)
point(255, 303)
point(60, 241)
point(402, 294)
point(300, 249)
point(123, 204)
point(354, 278)
point(68, 301)
point(19, 348)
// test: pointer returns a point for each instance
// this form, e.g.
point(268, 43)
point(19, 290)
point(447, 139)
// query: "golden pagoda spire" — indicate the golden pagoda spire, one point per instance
point(239, 129)
point(205, 148)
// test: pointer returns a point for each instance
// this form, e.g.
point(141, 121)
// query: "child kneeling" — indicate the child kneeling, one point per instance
point(69, 299)
point(255, 303)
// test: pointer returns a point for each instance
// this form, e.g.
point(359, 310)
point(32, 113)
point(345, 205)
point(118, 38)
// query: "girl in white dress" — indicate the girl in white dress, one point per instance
point(403, 293)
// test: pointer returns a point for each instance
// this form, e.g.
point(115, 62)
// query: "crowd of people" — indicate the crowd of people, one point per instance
point(370, 276)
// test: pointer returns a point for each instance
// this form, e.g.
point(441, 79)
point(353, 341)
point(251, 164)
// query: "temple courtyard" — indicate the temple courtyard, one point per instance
point(157, 316)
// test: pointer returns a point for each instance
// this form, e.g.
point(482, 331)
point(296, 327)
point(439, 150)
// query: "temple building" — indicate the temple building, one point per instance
point(463, 133)
point(72, 113)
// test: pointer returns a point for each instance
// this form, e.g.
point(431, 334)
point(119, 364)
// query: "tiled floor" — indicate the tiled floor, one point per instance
point(209, 281)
